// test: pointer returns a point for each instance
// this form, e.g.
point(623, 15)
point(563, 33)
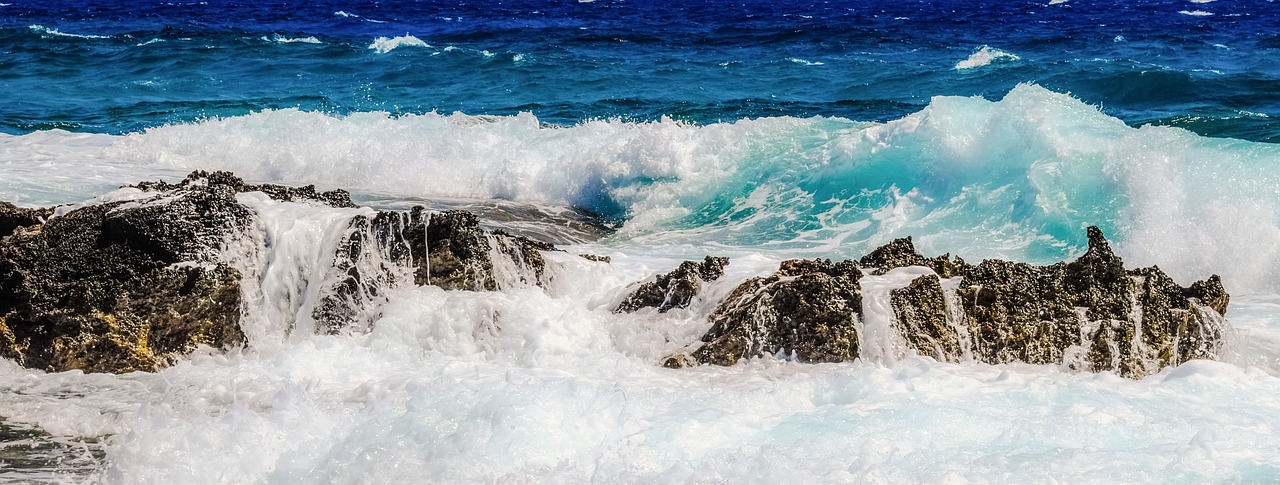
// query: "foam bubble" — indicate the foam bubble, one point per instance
point(984, 56)
point(1195, 13)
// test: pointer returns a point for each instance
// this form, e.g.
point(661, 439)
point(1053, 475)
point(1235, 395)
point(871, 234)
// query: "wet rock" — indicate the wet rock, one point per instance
point(1089, 314)
point(675, 289)
point(520, 258)
point(123, 286)
point(901, 252)
point(227, 181)
point(134, 285)
point(371, 259)
point(808, 308)
point(453, 252)
point(922, 319)
point(13, 217)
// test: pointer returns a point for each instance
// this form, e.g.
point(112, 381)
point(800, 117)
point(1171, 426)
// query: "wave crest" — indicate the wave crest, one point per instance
point(985, 55)
point(384, 45)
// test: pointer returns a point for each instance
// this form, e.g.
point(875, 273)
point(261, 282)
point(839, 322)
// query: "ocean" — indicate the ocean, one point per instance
point(761, 131)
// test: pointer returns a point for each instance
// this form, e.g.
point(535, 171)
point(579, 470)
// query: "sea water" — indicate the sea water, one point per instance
point(756, 131)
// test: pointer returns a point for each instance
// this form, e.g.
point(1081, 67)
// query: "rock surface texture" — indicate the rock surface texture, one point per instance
point(675, 289)
point(133, 285)
point(808, 308)
point(1090, 314)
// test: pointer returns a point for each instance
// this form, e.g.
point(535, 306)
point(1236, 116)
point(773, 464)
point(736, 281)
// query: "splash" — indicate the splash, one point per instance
point(984, 56)
point(383, 45)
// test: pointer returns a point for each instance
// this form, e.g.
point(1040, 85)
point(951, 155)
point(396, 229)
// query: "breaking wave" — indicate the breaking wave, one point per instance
point(1017, 178)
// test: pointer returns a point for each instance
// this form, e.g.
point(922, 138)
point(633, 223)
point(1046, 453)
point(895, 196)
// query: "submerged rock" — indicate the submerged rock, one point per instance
point(675, 289)
point(808, 308)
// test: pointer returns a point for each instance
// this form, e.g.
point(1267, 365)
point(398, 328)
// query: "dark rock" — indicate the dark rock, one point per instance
point(372, 257)
point(901, 252)
point(808, 308)
point(123, 286)
point(453, 252)
point(1089, 314)
point(134, 285)
point(921, 311)
point(525, 255)
point(219, 181)
point(13, 217)
point(675, 289)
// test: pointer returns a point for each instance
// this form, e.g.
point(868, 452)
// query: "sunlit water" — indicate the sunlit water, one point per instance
point(758, 133)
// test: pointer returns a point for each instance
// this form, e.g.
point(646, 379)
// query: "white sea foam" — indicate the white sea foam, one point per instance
point(985, 55)
point(1057, 2)
point(384, 45)
point(279, 39)
point(524, 386)
point(1016, 178)
point(804, 62)
point(42, 30)
point(1195, 13)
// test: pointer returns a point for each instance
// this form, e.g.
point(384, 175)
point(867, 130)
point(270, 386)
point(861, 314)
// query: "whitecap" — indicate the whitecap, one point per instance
point(384, 45)
point(1057, 2)
point(1196, 13)
point(985, 56)
point(277, 38)
point(42, 30)
point(805, 62)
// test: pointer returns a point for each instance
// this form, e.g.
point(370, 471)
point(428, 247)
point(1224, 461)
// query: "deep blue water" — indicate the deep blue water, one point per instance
point(116, 67)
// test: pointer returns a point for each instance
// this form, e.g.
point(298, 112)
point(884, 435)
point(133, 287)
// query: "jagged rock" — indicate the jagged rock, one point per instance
point(133, 285)
point(808, 308)
point(123, 286)
point(372, 257)
point(227, 181)
point(675, 289)
point(525, 255)
point(13, 217)
point(921, 313)
point(1089, 314)
point(901, 252)
point(453, 252)
point(447, 249)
